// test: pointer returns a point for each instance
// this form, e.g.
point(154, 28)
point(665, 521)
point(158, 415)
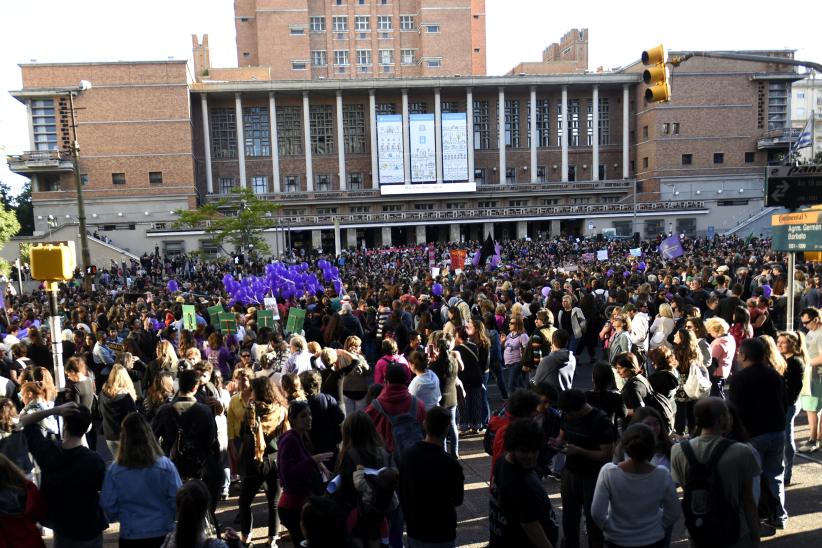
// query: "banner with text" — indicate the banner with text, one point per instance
point(423, 149)
point(390, 149)
point(454, 146)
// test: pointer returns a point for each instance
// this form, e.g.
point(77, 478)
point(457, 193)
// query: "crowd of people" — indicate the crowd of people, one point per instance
point(351, 425)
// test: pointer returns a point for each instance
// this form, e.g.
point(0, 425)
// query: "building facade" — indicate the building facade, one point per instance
point(345, 39)
point(806, 102)
point(569, 55)
point(547, 154)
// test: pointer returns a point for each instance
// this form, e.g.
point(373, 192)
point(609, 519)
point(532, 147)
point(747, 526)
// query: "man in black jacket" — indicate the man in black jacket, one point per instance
point(758, 392)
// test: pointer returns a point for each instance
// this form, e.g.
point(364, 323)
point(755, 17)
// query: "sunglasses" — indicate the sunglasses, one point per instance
point(245, 355)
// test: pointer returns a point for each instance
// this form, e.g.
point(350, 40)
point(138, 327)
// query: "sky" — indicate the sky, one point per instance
point(517, 30)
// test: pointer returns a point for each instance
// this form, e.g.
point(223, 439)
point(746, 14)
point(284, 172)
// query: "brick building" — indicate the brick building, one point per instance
point(569, 55)
point(344, 39)
point(574, 147)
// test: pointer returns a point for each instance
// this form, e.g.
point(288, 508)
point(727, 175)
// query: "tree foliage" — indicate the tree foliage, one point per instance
point(237, 219)
point(9, 227)
point(20, 205)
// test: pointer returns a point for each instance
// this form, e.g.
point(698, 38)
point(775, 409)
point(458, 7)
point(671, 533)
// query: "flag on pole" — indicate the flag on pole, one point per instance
point(805, 138)
point(671, 247)
point(749, 238)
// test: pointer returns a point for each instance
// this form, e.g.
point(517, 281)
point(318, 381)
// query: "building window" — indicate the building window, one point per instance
point(424, 206)
point(84, 178)
point(654, 228)
point(322, 129)
point(517, 203)
point(623, 228)
point(326, 211)
point(644, 132)
point(319, 58)
point(433, 63)
point(385, 23)
point(289, 130)
point(778, 105)
point(118, 178)
point(44, 124)
point(341, 57)
point(512, 123)
point(560, 125)
point(750, 157)
point(433, 28)
point(256, 131)
point(455, 205)
point(360, 209)
point(392, 207)
point(323, 182)
point(363, 23)
point(354, 129)
point(675, 128)
point(407, 56)
point(487, 204)
point(418, 108)
point(298, 65)
point(543, 123)
point(572, 173)
point(666, 128)
point(449, 106)
point(719, 157)
point(406, 22)
point(154, 178)
point(363, 57)
point(589, 124)
point(292, 183)
point(645, 162)
point(355, 183)
point(734, 202)
point(223, 133)
point(542, 174)
point(296, 30)
point(482, 129)
point(317, 24)
point(479, 175)
point(686, 226)
point(574, 122)
point(687, 159)
point(604, 122)
point(385, 108)
point(602, 173)
point(259, 184)
point(386, 56)
point(226, 184)
point(510, 175)
point(340, 23)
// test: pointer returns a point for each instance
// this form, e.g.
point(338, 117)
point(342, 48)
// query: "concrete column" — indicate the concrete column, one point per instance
point(522, 229)
point(454, 232)
point(554, 227)
point(238, 115)
point(385, 236)
point(337, 238)
point(309, 168)
point(533, 134)
point(438, 133)
point(275, 140)
point(595, 142)
point(469, 115)
point(487, 228)
point(351, 237)
point(565, 133)
point(30, 125)
point(372, 115)
point(341, 143)
point(317, 240)
point(406, 148)
point(420, 234)
point(625, 134)
point(501, 124)
point(206, 142)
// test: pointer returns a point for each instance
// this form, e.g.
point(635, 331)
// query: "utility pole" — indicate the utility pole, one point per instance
point(81, 207)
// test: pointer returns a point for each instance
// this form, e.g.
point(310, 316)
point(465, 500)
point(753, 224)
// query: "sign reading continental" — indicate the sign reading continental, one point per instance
point(797, 231)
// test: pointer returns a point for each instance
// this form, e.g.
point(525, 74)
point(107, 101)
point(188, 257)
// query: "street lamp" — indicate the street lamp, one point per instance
point(84, 85)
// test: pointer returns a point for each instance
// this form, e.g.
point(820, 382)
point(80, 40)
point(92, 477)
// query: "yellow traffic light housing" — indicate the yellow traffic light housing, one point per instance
point(53, 261)
point(656, 76)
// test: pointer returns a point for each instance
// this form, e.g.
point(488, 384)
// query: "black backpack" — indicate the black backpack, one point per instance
point(711, 519)
point(187, 452)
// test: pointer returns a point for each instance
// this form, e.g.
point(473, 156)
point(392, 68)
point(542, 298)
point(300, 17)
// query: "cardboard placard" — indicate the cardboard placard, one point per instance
point(296, 319)
point(189, 317)
point(213, 312)
point(265, 318)
point(227, 323)
point(458, 259)
point(271, 304)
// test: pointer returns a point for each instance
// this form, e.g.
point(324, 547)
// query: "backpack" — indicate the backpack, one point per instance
point(491, 433)
point(186, 452)
point(404, 427)
point(659, 402)
point(710, 518)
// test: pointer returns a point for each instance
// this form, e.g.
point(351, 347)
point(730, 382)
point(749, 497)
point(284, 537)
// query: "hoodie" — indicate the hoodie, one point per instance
point(557, 369)
point(427, 388)
point(19, 513)
point(395, 400)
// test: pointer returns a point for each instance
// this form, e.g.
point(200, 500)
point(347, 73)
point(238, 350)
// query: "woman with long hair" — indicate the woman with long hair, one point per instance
point(361, 446)
point(193, 528)
point(688, 356)
point(217, 354)
point(791, 345)
point(695, 324)
point(514, 345)
point(117, 399)
point(166, 360)
point(741, 328)
point(80, 388)
point(35, 397)
point(604, 395)
point(21, 507)
point(159, 393)
point(478, 334)
point(355, 383)
point(265, 419)
point(140, 486)
point(300, 471)
point(723, 349)
point(446, 364)
point(662, 326)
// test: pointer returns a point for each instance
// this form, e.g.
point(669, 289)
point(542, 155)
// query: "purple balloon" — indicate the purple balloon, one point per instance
point(610, 272)
point(641, 265)
point(626, 274)
point(546, 291)
point(436, 289)
point(172, 286)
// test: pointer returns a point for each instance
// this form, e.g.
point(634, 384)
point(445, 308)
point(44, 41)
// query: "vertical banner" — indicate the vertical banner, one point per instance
point(454, 146)
point(189, 317)
point(389, 148)
point(458, 257)
point(423, 149)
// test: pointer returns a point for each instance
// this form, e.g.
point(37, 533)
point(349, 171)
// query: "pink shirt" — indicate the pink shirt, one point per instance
point(723, 349)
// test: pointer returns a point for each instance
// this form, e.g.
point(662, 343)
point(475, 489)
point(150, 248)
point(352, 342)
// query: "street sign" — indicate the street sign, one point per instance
point(793, 186)
point(797, 231)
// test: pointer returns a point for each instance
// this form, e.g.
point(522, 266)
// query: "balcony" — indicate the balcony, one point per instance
point(777, 139)
point(41, 161)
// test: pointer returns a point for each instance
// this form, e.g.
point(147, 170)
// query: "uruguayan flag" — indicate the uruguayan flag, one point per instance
point(805, 138)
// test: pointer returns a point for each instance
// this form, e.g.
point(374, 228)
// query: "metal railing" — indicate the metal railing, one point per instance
point(40, 158)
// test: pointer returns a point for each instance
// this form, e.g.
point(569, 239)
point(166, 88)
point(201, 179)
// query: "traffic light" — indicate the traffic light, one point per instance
point(53, 261)
point(656, 75)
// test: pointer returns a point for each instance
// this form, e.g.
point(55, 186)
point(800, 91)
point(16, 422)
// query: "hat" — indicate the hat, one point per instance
point(722, 269)
point(180, 299)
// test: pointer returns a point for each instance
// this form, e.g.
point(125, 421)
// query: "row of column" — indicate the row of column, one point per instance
point(309, 172)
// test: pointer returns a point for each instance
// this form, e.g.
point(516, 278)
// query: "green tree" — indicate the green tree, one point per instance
point(238, 219)
point(9, 227)
point(25, 210)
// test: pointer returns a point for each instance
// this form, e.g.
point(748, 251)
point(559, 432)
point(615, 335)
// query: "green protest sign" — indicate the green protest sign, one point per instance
point(189, 317)
point(296, 319)
point(265, 318)
point(227, 323)
point(213, 312)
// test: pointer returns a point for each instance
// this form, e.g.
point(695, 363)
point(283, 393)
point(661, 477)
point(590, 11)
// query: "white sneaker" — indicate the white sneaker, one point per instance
point(809, 446)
